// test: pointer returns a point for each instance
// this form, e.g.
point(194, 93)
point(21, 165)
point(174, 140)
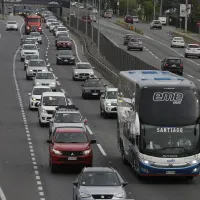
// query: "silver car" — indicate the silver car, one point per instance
point(28, 58)
point(34, 66)
point(99, 183)
point(82, 71)
point(135, 43)
point(45, 79)
point(37, 36)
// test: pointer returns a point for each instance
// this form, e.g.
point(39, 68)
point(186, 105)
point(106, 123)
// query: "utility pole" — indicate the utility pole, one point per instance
point(92, 21)
point(3, 9)
point(117, 8)
point(70, 13)
point(98, 44)
point(186, 15)
point(127, 4)
point(86, 23)
point(78, 15)
point(161, 5)
point(154, 9)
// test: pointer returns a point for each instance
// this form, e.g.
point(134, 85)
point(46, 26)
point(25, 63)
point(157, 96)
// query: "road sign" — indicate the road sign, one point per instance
point(183, 10)
point(198, 23)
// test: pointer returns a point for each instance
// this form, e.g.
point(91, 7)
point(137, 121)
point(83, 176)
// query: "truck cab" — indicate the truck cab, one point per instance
point(33, 23)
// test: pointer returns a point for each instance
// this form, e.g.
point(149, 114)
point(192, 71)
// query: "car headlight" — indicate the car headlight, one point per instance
point(30, 70)
point(119, 195)
point(57, 152)
point(37, 83)
point(72, 58)
point(86, 152)
point(33, 99)
point(102, 90)
point(53, 83)
point(76, 72)
point(43, 70)
point(108, 104)
point(58, 58)
point(44, 111)
point(84, 195)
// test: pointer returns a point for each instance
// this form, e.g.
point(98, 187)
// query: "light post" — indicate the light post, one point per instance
point(98, 44)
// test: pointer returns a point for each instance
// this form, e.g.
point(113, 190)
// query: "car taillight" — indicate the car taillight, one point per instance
point(28, 27)
point(166, 65)
point(39, 28)
point(181, 65)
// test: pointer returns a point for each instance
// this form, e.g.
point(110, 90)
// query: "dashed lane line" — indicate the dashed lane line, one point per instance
point(101, 149)
point(51, 69)
point(58, 83)
point(2, 195)
point(26, 126)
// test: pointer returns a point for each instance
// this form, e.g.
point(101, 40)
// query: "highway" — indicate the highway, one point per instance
point(24, 166)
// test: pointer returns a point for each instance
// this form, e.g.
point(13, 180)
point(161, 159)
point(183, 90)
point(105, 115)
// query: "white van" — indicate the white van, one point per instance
point(163, 20)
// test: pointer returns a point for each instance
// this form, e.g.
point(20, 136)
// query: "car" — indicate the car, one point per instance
point(61, 38)
point(128, 19)
point(135, 43)
point(127, 38)
point(65, 57)
point(99, 183)
point(82, 71)
point(93, 18)
point(94, 10)
point(66, 116)
point(86, 19)
point(135, 19)
point(46, 79)
point(49, 102)
point(29, 40)
point(52, 25)
point(156, 24)
point(37, 36)
point(64, 43)
point(178, 42)
point(70, 146)
point(192, 50)
point(28, 49)
point(55, 28)
point(35, 95)
point(49, 21)
point(29, 57)
point(93, 87)
point(108, 102)
point(34, 66)
point(12, 25)
point(61, 29)
point(172, 64)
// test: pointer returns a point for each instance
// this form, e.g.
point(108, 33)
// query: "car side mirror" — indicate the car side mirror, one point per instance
point(56, 54)
point(93, 141)
point(29, 94)
point(124, 184)
point(38, 49)
point(49, 141)
point(105, 85)
point(75, 184)
point(85, 121)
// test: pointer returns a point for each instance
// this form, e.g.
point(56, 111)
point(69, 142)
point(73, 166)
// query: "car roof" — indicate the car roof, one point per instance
point(64, 51)
point(111, 89)
point(193, 44)
point(41, 86)
point(46, 94)
point(178, 37)
point(29, 45)
point(98, 169)
point(69, 130)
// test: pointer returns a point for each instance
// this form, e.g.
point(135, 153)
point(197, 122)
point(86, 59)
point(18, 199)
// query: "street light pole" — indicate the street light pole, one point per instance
point(86, 23)
point(154, 9)
point(98, 44)
point(186, 15)
point(117, 8)
point(92, 20)
point(3, 9)
point(69, 13)
point(161, 5)
point(78, 15)
point(127, 4)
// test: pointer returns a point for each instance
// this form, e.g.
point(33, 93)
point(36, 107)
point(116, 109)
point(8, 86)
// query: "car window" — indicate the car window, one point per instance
point(111, 95)
point(62, 29)
point(94, 83)
point(68, 118)
point(39, 91)
point(193, 46)
point(65, 53)
point(135, 40)
point(54, 101)
point(11, 23)
point(178, 39)
point(44, 76)
point(174, 61)
point(29, 47)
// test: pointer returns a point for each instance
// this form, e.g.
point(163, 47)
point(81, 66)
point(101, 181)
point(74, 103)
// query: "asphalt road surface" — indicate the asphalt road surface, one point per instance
point(24, 155)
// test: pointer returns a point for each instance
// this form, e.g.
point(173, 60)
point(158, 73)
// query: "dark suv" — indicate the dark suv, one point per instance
point(172, 64)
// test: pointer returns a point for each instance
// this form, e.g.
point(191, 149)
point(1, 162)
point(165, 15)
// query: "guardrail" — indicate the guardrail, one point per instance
point(187, 38)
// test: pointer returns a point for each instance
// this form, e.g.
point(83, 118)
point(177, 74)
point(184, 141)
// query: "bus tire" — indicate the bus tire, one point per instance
point(125, 161)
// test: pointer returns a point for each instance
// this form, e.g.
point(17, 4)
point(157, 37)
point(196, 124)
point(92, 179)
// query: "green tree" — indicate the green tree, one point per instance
point(132, 5)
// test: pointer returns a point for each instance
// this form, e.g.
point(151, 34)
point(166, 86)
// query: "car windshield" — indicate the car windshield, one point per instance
point(94, 83)
point(29, 57)
point(100, 179)
point(29, 47)
point(65, 53)
point(12, 23)
point(68, 118)
point(44, 76)
point(66, 39)
point(135, 40)
point(169, 106)
point(62, 29)
point(111, 95)
point(156, 22)
point(83, 66)
point(77, 137)
point(33, 19)
point(174, 61)
point(39, 91)
point(62, 34)
point(50, 20)
point(35, 34)
point(129, 36)
point(54, 23)
point(54, 101)
point(37, 63)
point(193, 46)
point(29, 42)
point(179, 141)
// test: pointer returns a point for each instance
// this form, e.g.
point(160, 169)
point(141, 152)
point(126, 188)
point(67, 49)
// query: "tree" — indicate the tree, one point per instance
point(132, 4)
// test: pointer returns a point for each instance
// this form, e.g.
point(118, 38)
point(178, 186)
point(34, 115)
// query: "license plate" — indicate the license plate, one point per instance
point(170, 172)
point(72, 158)
point(94, 93)
point(173, 65)
point(83, 76)
point(65, 60)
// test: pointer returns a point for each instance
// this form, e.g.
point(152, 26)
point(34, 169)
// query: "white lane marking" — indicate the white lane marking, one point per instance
point(82, 49)
point(0, 35)
point(58, 83)
point(76, 49)
point(89, 130)
point(51, 69)
point(102, 150)
point(37, 176)
point(2, 195)
point(63, 91)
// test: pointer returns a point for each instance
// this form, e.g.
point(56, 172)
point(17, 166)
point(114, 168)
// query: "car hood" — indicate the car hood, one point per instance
point(101, 190)
point(36, 96)
point(29, 50)
point(37, 68)
point(37, 37)
point(45, 80)
point(71, 146)
point(84, 70)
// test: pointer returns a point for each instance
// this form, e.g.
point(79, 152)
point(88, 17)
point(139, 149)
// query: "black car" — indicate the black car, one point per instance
point(127, 38)
point(93, 87)
point(65, 57)
point(172, 64)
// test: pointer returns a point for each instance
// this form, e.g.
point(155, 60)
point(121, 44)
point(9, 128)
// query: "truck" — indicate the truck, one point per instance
point(163, 20)
point(33, 23)
point(158, 121)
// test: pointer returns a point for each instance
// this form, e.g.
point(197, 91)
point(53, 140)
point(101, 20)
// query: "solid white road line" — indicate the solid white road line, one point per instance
point(102, 150)
point(2, 195)
point(89, 130)
point(76, 49)
point(58, 83)
point(51, 69)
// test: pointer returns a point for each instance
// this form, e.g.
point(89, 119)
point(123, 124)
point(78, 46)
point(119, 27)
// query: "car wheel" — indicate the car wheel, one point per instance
point(83, 96)
point(57, 62)
point(141, 49)
point(30, 107)
point(186, 55)
point(105, 114)
point(73, 78)
point(24, 68)
point(16, 29)
point(58, 48)
point(40, 42)
point(22, 59)
point(27, 77)
point(53, 168)
point(7, 29)
point(128, 49)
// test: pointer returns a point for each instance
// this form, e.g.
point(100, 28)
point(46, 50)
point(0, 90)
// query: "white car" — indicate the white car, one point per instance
point(28, 49)
point(49, 21)
point(61, 29)
point(192, 50)
point(49, 102)
point(82, 71)
point(35, 66)
point(35, 96)
point(135, 19)
point(46, 79)
point(12, 25)
point(52, 26)
point(108, 102)
point(94, 10)
point(178, 42)
point(37, 36)
point(28, 58)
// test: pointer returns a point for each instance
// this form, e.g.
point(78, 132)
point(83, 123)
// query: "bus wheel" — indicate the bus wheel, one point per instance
point(125, 161)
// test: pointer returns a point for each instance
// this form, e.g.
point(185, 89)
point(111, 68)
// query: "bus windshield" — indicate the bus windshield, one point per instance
point(169, 106)
point(33, 19)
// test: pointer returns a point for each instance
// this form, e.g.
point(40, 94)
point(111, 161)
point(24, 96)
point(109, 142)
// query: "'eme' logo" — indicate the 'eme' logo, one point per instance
point(175, 97)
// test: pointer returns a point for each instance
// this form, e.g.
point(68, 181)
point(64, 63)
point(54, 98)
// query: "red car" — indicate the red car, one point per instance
point(70, 146)
point(64, 43)
point(87, 19)
point(128, 19)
